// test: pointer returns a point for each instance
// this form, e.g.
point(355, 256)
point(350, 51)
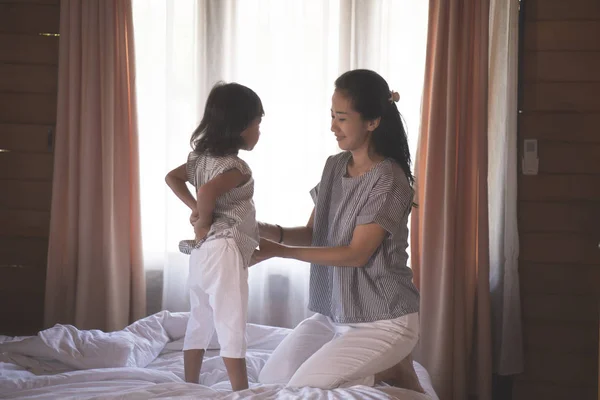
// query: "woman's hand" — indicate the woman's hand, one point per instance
point(366, 239)
point(268, 231)
point(262, 228)
point(267, 249)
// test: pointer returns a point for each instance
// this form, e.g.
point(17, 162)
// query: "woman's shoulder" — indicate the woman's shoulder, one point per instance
point(392, 173)
point(339, 160)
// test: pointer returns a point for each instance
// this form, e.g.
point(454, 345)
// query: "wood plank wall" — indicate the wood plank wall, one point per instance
point(28, 93)
point(559, 209)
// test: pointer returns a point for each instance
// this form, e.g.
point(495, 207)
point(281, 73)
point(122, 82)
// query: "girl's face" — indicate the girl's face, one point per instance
point(252, 133)
point(351, 131)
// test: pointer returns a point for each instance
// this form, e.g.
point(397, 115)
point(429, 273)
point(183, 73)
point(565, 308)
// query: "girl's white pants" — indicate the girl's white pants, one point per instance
point(218, 287)
point(322, 354)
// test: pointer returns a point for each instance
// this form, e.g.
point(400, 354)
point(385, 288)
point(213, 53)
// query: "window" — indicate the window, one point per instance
point(290, 53)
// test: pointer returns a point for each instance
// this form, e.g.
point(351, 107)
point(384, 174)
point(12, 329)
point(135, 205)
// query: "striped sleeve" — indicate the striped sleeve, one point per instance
point(190, 167)
point(387, 204)
point(314, 193)
point(228, 163)
point(327, 170)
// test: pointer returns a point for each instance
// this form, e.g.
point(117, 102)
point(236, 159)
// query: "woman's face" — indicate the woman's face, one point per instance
point(351, 131)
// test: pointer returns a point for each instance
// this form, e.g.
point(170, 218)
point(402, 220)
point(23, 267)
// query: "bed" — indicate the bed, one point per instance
point(145, 361)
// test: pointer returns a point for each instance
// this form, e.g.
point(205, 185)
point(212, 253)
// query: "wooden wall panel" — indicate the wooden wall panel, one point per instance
point(562, 10)
point(559, 209)
point(559, 188)
point(27, 138)
point(547, 391)
point(556, 126)
point(27, 223)
point(562, 66)
point(569, 158)
point(560, 308)
point(568, 248)
point(24, 280)
point(562, 35)
point(22, 291)
point(559, 217)
point(540, 336)
point(23, 17)
point(558, 279)
point(561, 96)
point(563, 369)
point(27, 78)
point(26, 166)
point(28, 108)
point(25, 251)
point(44, 2)
point(32, 49)
point(25, 195)
point(28, 91)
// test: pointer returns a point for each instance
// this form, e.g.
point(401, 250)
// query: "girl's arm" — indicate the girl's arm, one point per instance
point(365, 241)
point(296, 236)
point(176, 180)
point(209, 192)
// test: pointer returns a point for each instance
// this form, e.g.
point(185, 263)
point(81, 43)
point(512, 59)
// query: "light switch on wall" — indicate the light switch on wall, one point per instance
point(530, 162)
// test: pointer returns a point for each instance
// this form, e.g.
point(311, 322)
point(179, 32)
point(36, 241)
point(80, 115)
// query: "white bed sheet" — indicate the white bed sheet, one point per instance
point(145, 361)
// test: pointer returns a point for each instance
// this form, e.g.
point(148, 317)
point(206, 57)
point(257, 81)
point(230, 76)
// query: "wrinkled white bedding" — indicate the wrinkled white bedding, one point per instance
point(145, 361)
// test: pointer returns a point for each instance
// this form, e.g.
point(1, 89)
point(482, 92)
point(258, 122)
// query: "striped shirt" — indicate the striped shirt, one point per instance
point(234, 215)
point(383, 288)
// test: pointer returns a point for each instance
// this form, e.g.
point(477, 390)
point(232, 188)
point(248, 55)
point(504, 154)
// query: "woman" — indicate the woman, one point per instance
point(366, 322)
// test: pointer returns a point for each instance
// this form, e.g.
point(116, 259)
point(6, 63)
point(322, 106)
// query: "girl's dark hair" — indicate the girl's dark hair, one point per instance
point(230, 108)
point(370, 96)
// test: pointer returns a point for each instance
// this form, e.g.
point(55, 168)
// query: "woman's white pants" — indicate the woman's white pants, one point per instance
point(322, 354)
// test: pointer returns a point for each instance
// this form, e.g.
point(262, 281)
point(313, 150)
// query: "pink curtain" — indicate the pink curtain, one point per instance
point(449, 239)
point(95, 277)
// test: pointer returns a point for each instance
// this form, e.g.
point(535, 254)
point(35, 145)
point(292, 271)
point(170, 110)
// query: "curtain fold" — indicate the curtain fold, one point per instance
point(450, 235)
point(502, 181)
point(95, 277)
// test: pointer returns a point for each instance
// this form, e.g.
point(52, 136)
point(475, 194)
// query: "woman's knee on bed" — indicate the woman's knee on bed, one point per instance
point(360, 352)
point(307, 338)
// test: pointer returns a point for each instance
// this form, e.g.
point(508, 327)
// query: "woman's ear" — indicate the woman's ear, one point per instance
point(373, 124)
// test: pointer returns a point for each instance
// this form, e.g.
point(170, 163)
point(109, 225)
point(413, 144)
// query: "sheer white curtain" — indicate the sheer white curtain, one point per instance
point(290, 53)
point(502, 188)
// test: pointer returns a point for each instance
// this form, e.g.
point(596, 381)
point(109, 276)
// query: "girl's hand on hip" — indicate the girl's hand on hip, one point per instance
point(200, 231)
point(194, 217)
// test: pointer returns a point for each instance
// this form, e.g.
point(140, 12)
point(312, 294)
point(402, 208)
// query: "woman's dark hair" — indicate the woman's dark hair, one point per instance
point(230, 108)
point(370, 96)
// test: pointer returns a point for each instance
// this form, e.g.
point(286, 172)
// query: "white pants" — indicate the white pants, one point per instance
point(322, 354)
point(218, 286)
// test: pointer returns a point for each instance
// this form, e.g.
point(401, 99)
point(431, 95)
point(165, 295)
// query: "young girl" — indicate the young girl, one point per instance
point(225, 227)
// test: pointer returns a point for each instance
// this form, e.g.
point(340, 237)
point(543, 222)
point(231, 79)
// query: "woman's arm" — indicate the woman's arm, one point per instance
point(176, 180)
point(365, 241)
point(296, 236)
